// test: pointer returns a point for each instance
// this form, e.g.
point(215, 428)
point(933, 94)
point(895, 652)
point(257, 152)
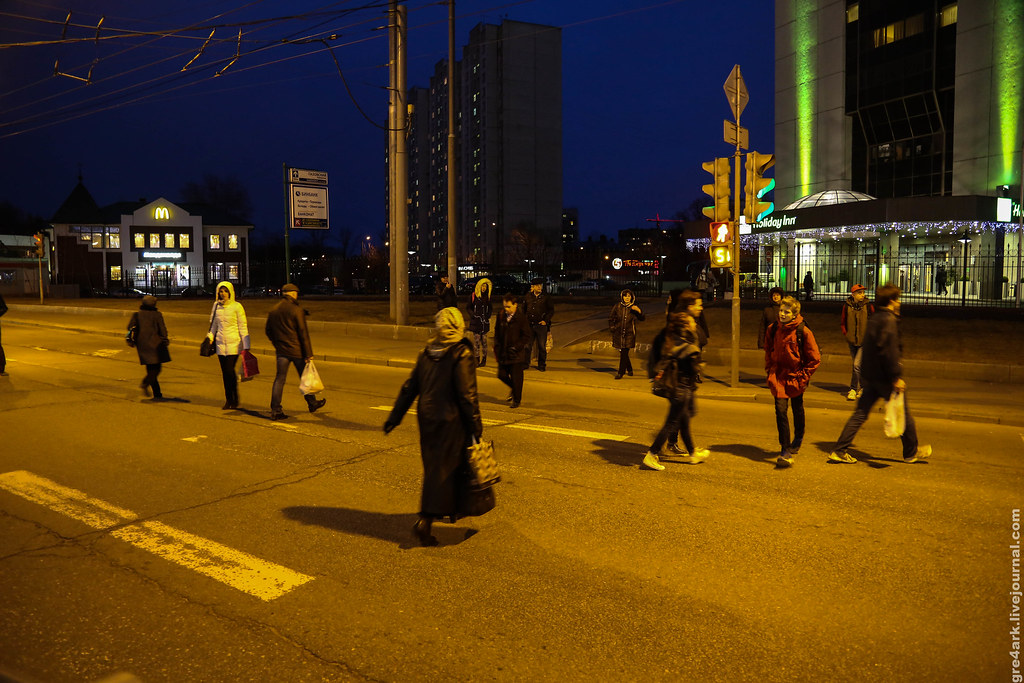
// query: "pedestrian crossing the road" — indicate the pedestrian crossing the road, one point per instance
point(564, 431)
point(240, 570)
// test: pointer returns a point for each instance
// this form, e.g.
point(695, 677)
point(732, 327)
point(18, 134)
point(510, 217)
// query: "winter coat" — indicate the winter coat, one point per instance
point(448, 414)
point(681, 347)
point(622, 322)
point(789, 368)
point(3, 307)
point(512, 339)
point(881, 362)
point(287, 331)
point(446, 297)
point(479, 310)
point(854, 320)
point(152, 335)
point(229, 327)
point(538, 308)
point(769, 315)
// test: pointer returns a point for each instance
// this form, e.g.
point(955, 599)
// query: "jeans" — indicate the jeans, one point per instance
point(860, 416)
point(282, 373)
point(677, 420)
point(480, 347)
point(227, 371)
point(625, 366)
point(152, 370)
point(512, 375)
point(782, 422)
point(540, 339)
point(855, 372)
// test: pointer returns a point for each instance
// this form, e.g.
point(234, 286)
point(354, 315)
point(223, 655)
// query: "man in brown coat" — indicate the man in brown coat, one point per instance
point(287, 331)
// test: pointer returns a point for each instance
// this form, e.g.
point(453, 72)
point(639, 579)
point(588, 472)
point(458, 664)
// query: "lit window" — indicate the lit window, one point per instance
point(113, 241)
point(184, 240)
point(233, 271)
point(168, 240)
point(215, 242)
point(85, 237)
point(154, 240)
point(115, 273)
point(97, 240)
point(947, 17)
point(853, 13)
point(233, 242)
point(215, 270)
point(139, 240)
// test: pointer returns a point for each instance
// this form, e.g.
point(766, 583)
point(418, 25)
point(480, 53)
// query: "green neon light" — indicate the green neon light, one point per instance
point(1008, 64)
point(805, 39)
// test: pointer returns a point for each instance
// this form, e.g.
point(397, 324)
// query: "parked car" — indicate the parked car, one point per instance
point(588, 287)
point(130, 293)
point(252, 292)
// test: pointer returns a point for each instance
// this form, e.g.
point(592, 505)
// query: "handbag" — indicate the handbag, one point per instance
point(895, 416)
point(131, 336)
point(250, 366)
point(483, 468)
point(310, 383)
point(208, 347)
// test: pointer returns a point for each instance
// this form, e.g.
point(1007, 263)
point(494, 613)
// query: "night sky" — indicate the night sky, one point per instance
point(643, 102)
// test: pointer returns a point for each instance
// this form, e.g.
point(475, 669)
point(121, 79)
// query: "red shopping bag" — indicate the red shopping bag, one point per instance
point(250, 367)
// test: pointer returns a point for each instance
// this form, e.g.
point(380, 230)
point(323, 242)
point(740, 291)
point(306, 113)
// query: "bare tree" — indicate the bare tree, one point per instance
point(227, 194)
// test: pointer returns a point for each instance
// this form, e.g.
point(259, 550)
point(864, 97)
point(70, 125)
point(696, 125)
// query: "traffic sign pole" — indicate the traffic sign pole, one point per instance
point(736, 92)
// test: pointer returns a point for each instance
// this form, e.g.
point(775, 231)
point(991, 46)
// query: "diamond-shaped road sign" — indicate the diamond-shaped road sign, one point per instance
point(736, 92)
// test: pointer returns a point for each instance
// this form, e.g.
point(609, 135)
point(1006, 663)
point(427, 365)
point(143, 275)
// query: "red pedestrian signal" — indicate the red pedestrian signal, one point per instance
point(721, 233)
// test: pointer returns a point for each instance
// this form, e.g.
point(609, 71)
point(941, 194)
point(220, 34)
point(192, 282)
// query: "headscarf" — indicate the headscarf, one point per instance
point(449, 329)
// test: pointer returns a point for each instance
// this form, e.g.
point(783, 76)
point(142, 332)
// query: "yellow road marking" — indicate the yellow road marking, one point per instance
point(240, 570)
point(536, 428)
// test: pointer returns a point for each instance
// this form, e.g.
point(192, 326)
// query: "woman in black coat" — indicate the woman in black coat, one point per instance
point(622, 322)
point(479, 310)
point(151, 343)
point(449, 419)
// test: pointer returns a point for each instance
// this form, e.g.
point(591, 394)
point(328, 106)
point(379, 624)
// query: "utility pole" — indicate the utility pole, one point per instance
point(453, 266)
point(392, 154)
point(736, 92)
point(400, 239)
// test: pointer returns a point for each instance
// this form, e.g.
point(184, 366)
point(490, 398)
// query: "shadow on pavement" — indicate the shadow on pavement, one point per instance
point(620, 452)
point(834, 388)
point(743, 450)
point(394, 528)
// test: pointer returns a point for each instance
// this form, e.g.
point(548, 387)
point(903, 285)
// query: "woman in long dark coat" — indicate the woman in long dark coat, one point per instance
point(449, 418)
point(622, 322)
point(151, 343)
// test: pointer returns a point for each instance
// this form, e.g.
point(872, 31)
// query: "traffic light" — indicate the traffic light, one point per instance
point(757, 187)
point(721, 244)
point(37, 241)
point(718, 190)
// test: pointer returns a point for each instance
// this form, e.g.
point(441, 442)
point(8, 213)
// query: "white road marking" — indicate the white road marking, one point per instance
point(535, 428)
point(194, 439)
point(105, 353)
point(240, 570)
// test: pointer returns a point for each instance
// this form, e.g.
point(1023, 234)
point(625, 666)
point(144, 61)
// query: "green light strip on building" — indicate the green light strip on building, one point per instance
point(805, 40)
point(1008, 64)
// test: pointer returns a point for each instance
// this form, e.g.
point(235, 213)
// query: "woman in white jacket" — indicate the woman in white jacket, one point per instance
point(230, 332)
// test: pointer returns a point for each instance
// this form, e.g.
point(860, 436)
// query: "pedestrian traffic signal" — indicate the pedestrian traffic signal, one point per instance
point(721, 256)
point(718, 190)
point(757, 187)
point(721, 233)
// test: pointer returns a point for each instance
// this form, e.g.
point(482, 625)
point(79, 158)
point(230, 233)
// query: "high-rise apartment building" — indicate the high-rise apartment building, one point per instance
point(508, 148)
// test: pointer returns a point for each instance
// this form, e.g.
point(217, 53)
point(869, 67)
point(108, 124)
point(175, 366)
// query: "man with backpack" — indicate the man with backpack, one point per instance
point(791, 356)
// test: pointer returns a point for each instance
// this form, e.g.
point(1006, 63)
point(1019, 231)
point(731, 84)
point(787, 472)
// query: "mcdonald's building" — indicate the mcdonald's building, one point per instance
point(158, 247)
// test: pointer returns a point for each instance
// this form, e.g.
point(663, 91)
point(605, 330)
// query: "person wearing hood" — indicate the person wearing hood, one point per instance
point(448, 415)
point(480, 318)
point(512, 339)
point(229, 331)
point(791, 356)
point(677, 370)
point(287, 331)
point(854, 323)
point(770, 314)
point(151, 343)
point(3, 358)
point(622, 323)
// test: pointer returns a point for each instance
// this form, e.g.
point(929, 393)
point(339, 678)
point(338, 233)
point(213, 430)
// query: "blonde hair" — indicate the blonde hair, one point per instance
point(790, 303)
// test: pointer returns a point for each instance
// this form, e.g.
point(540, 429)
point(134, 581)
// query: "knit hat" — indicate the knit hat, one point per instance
point(149, 300)
point(289, 288)
point(857, 288)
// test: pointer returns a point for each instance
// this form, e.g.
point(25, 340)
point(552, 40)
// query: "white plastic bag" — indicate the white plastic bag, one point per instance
point(895, 416)
point(310, 382)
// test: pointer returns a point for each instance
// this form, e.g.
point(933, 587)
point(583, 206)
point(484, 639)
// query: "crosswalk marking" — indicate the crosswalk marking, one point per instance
point(534, 428)
point(240, 570)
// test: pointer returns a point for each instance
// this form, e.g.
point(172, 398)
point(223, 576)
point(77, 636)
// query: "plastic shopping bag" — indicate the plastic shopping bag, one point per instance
point(250, 366)
point(895, 416)
point(310, 382)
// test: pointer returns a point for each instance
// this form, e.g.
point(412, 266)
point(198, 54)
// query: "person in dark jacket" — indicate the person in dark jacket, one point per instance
point(679, 355)
point(693, 304)
point(512, 339)
point(791, 356)
point(539, 310)
point(151, 343)
point(770, 314)
point(3, 358)
point(881, 374)
point(622, 322)
point(853, 322)
point(480, 319)
point(287, 331)
point(808, 286)
point(448, 414)
point(446, 297)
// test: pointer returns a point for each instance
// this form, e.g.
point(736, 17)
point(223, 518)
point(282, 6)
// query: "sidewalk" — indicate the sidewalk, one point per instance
point(933, 391)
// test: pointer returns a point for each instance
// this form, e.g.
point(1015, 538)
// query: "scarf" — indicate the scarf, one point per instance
point(449, 329)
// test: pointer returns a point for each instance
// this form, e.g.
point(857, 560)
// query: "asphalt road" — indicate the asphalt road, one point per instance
point(178, 542)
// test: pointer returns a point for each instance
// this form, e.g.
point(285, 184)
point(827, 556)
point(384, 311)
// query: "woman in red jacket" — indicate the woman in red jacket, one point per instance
point(790, 358)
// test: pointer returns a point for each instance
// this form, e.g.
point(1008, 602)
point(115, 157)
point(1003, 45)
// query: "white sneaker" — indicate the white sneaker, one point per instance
point(651, 462)
point(698, 456)
point(921, 453)
point(852, 395)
